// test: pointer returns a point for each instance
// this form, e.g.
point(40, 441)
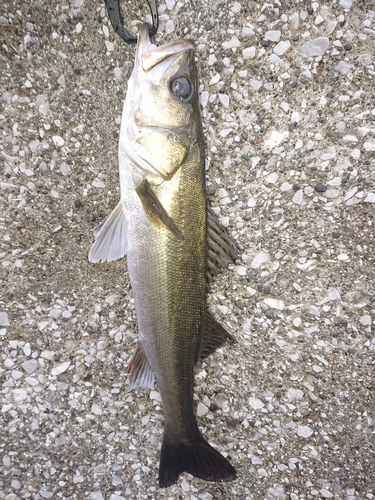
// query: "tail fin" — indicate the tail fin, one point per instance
point(197, 458)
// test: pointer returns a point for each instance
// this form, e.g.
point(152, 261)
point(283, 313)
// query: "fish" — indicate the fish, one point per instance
point(174, 245)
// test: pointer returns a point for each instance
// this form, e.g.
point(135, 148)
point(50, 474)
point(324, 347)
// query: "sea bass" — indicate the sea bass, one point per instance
point(173, 243)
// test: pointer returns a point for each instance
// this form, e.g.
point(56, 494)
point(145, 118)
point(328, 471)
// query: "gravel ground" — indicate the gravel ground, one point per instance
point(288, 97)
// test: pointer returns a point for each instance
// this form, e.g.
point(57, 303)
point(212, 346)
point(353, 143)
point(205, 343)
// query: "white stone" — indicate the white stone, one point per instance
point(255, 403)
point(58, 141)
point(343, 67)
point(57, 370)
point(224, 99)
point(342, 257)
point(154, 395)
point(241, 270)
point(346, 4)
point(256, 84)
point(333, 294)
point(185, 486)
point(315, 48)
point(297, 322)
point(355, 154)
point(249, 53)
point(272, 35)
point(295, 118)
point(272, 178)
point(170, 4)
point(4, 320)
point(260, 258)
point(223, 309)
point(298, 197)
point(350, 138)
point(97, 183)
point(365, 320)
point(285, 106)
point(352, 201)
point(47, 354)
point(294, 394)
point(331, 193)
point(79, 27)
point(61, 81)
point(204, 98)
point(30, 365)
point(236, 7)
point(169, 27)
point(96, 409)
point(231, 44)
point(251, 202)
point(370, 198)
point(304, 431)
point(64, 168)
point(281, 48)
point(247, 31)
point(251, 291)
point(335, 182)
point(275, 139)
point(201, 409)
point(318, 20)
point(110, 46)
point(285, 186)
point(369, 146)
point(274, 303)
point(96, 495)
point(325, 493)
point(274, 59)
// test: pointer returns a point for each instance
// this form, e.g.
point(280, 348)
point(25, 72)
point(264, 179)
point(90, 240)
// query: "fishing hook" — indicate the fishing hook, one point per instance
point(115, 16)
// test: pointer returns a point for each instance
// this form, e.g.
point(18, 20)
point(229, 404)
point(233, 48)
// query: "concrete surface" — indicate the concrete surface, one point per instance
point(288, 100)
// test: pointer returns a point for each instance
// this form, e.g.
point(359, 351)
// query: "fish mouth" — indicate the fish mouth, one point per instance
point(150, 56)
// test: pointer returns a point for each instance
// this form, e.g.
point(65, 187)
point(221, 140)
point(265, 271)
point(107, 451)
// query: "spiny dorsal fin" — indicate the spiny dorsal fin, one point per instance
point(141, 374)
point(111, 241)
point(214, 336)
point(222, 250)
point(154, 210)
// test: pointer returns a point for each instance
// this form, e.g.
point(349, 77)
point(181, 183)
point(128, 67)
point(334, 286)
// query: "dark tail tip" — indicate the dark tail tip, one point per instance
point(197, 458)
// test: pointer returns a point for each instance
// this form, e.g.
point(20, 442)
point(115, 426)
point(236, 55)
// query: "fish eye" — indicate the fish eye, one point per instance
point(180, 87)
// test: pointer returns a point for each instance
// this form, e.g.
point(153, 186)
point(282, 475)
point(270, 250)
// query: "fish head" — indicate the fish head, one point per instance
point(161, 118)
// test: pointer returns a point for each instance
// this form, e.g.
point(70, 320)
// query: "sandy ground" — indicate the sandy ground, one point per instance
point(288, 97)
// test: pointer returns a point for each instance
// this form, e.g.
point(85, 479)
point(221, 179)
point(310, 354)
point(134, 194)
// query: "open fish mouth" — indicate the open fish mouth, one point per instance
point(150, 56)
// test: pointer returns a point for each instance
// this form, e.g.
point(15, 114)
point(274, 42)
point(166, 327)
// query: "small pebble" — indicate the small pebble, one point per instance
point(320, 188)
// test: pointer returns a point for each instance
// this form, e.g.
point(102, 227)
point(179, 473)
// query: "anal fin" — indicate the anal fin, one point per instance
point(154, 210)
point(110, 237)
point(214, 336)
point(141, 374)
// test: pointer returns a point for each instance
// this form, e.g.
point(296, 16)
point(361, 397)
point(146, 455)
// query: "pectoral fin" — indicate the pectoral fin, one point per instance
point(110, 237)
point(214, 336)
point(141, 374)
point(154, 210)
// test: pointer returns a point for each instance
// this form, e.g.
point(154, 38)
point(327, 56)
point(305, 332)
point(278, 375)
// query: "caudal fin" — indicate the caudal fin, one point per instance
point(197, 458)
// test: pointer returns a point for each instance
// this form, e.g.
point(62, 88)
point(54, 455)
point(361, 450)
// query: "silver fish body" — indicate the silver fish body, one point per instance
point(173, 246)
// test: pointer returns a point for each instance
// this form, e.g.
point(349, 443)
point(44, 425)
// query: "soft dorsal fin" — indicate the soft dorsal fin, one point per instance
point(111, 241)
point(222, 250)
point(154, 210)
point(140, 371)
point(214, 336)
